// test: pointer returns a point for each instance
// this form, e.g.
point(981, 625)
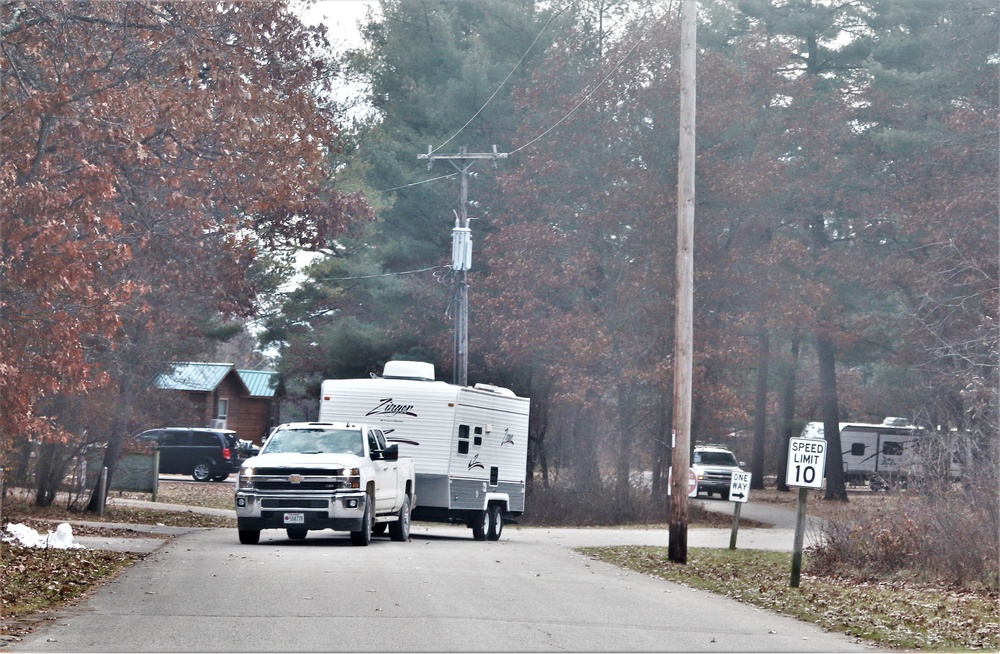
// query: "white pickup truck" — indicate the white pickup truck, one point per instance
point(325, 475)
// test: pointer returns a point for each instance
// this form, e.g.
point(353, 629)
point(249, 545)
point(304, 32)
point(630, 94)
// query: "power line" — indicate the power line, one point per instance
point(549, 129)
point(391, 274)
point(504, 82)
point(592, 91)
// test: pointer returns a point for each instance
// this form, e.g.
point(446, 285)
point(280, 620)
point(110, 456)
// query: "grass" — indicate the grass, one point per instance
point(892, 613)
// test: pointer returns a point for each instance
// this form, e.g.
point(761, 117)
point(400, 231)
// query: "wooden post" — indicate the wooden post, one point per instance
point(683, 340)
point(156, 473)
point(102, 491)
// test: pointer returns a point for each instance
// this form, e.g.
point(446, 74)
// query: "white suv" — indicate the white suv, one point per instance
point(713, 467)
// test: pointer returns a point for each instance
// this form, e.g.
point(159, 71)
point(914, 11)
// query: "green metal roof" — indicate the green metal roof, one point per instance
point(206, 377)
point(193, 376)
point(260, 383)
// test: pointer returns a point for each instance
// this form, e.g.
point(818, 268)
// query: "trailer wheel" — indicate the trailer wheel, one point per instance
point(496, 523)
point(400, 530)
point(481, 525)
point(364, 535)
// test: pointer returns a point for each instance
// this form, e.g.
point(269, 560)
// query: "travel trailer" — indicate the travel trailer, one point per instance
point(469, 444)
point(881, 455)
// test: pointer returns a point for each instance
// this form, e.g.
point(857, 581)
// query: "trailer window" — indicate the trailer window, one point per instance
point(463, 439)
point(892, 448)
point(857, 449)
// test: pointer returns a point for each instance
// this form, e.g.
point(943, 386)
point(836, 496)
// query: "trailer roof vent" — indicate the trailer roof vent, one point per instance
point(413, 370)
point(495, 389)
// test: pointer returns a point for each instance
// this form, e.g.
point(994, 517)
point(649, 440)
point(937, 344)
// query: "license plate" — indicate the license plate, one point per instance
point(295, 518)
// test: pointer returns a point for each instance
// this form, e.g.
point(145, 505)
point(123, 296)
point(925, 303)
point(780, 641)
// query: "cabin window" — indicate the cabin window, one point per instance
point(857, 449)
point(223, 408)
point(463, 439)
point(892, 448)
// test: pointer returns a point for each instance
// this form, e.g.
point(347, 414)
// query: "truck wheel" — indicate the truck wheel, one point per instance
point(724, 494)
point(364, 535)
point(496, 523)
point(481, 525)
point(249, 536)
point(202, 471)
point(221, 477)
point(400, 530)
point(297, 533)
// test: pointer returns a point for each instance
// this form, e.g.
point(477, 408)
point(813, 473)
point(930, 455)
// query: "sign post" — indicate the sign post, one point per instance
point(739, 493)
point(806, 467)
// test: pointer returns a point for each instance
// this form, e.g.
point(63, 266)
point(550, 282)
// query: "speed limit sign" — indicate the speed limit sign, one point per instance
point(806, 462)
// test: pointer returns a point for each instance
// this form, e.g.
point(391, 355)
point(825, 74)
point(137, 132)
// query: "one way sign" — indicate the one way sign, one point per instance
point(739, 487)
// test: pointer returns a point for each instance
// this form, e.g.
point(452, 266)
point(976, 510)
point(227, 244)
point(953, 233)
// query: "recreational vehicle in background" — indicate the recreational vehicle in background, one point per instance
point(881, 455)
point(469, 444)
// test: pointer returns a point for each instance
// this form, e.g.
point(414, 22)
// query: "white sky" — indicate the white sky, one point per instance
point(340, 16)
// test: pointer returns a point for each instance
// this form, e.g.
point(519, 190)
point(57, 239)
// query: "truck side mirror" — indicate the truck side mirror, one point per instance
point(391, 453)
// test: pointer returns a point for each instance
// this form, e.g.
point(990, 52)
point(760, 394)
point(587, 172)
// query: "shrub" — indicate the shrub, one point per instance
point(951, 538)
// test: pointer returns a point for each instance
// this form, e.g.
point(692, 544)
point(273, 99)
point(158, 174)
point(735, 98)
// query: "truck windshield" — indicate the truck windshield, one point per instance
point(315, 441)
point(715, 458)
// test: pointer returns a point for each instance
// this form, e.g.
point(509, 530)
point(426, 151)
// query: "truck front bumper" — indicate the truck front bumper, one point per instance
point(338, 511)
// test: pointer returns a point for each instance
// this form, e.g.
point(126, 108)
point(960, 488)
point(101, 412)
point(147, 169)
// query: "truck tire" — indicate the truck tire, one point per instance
point(481, 525)
point(496, 523)
point(364, 535)
point(400, 530)
point(296, 533)
point(249, 536)
point(202, 471)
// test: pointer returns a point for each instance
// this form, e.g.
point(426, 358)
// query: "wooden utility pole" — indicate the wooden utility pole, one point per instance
point(462, 253)
point(683, 337)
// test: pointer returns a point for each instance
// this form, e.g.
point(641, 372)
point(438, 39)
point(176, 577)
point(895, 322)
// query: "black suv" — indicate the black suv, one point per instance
point(205, 454)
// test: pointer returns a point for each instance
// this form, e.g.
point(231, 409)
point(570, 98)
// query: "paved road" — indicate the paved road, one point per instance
point(443, 591)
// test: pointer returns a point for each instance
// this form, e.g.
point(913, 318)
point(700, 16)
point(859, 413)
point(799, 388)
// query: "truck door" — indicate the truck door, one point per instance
point(385, 473)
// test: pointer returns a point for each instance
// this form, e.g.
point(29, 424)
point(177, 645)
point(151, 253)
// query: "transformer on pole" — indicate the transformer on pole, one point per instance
point(461, 253)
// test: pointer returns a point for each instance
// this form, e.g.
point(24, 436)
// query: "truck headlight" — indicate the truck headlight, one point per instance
point(244, 480)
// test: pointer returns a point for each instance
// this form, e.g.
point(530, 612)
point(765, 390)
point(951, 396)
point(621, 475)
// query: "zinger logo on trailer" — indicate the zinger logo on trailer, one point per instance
point(508, 438)
point(386, 407)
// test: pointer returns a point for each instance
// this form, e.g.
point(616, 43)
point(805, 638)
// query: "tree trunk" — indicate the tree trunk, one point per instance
point(788, 413)
point(623, 464)
point(586, 445)
point(662, 452)
point(116, 440)
point(760, 412)
point(835, 489)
